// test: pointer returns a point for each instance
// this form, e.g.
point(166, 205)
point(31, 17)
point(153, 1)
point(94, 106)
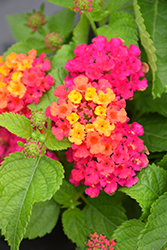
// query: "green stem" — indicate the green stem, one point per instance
point(91, 22)
point(49, 124)
point(84, 199)
point(79, 194)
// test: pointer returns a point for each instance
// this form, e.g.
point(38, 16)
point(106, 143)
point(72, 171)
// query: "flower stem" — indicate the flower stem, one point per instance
point(79, 194)
point(91, 22)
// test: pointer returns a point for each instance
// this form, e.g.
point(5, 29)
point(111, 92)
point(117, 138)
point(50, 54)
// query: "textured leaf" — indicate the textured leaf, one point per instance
point(64, 3)
point(63, 55)
point(62, 22)
point(43, 219)
point(24, 181)
point(163, 162)
point(66, 193)
point(126, 235)
point(154, 236)
point(26, 45)
point(114, 5)
point(53, 144)
point(104, 214)
point(155, 132)
point(147, 104)
point(155, 17)
point(120, 25)
point(152, 183)
point(45, 101)
point(19, 28)
point(81, 31)
point(74, 226)
point(145, 38)
point(16, 124)
point(58, 74)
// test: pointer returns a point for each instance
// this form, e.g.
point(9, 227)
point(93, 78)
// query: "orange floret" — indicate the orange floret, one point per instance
point(11, 61)
point(81, 83)
point(3, 97)
point(93, 141)
point(62, 110)
point(16, 89)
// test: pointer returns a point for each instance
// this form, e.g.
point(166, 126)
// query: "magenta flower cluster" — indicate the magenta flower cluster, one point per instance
point(121, 69)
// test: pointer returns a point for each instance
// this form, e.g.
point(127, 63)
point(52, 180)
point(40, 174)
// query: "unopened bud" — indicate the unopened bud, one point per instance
point(35, 21)
point(53, 41)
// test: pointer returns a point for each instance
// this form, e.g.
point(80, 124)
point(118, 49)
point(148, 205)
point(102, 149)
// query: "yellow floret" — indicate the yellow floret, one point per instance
point(75, 97)
point(90, 92)
point(73, 117)
point(103, 126)
point(77, 133)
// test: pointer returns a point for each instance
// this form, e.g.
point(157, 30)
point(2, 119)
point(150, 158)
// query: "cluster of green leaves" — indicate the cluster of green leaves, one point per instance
point(135, 217)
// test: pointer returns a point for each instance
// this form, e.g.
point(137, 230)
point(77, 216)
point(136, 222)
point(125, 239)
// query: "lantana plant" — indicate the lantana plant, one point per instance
point(83, 110)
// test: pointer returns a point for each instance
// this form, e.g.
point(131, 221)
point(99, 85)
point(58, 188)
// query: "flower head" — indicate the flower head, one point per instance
point(35, 21)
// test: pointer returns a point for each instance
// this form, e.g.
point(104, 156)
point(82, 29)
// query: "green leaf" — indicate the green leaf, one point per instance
point(64, 3)
point(145, 39)
point(74, 226)
point(146, 103)
point(58, 74)
point(104, 214)
point(16, 124)
point(26, 45)
point(121, 25)
point(154, 18)
point(154, 236)
point(155, 132)
point(152, 183)
point(24, 181)
point(19, 28)
point(126, 235)
point(81, 31)
point(53, 144)
point(43, 219)
point(66, 193)
point(63, 55)
point(114, 5)
point(163, 162)
point(62, 22)
point(45, 101)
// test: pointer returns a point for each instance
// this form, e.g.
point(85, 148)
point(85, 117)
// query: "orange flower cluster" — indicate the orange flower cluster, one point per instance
point(23, 80)
point(89, 112)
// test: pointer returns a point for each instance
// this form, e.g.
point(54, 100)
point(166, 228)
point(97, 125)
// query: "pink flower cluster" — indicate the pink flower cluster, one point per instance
point(23, 80)
point(112, 61)
point(100, 242)
point(106, 150)
point(8, 143)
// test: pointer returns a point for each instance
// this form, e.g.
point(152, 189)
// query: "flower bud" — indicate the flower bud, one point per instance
point(38, 119)
point(83, 5)
point(35, 21)
point(53, 41)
